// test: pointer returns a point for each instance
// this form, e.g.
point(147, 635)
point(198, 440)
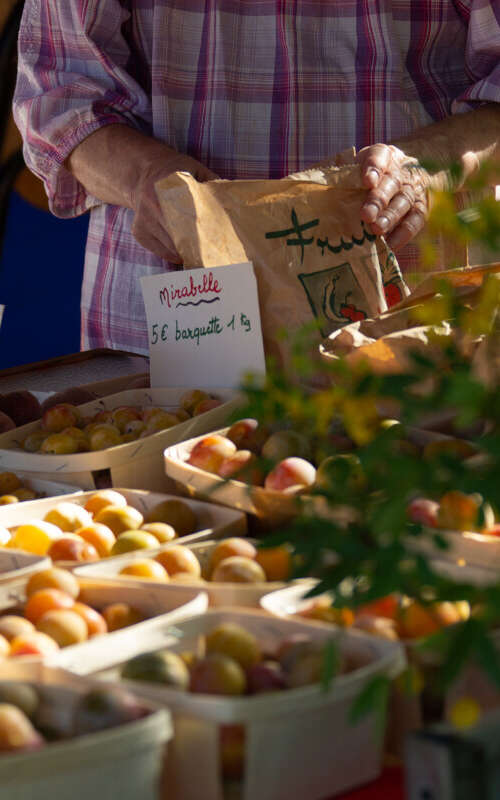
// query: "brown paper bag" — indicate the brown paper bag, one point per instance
point(313, 257)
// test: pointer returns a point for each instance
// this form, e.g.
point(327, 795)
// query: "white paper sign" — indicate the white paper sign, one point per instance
point(203, 326)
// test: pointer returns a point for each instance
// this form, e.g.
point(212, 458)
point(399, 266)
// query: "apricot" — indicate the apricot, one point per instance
point(242, 466)
point(325, 612)
point(80, 437)
point(8, 499)
point(11, 626)
point(68, 516)
point(9, 482)
point(218, 674)
point(266, 676)
point(103, 417)
point(206, 405)
point(53, 578)
point(98, 535)
point(145, 569)
point(104, 436)
point(459, 511)
point(122, 415)
point(187, 577)
point(160, 422)
point(160, 530)
point(209, 452)
point(244, 435)
point(71, 548)
point(46, 600)
point(59, 444)
point(190, 399)
point(35, 537)
point(285, 444)
point(121, 615)
point(60, 416)
point(416, 621)
point(275, 561)
point(176, 513)
point(4, 646)
point(16, 731)
point(96, 624)
point(238, 569)
point(423, 511)
point(23, 493)
point(179, 559)
point(64, 626)
point(105, 497)
point(387, 607)
point(232, 640)
point(35, 643)
point(291, 474)
point(234, 546)
point(133, 430)
point(150, 412)
point(21, 695)
point(33, 441)
point(133, 540)
point(120, 519)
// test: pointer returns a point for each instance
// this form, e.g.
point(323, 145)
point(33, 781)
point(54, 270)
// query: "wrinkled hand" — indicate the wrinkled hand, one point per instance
point(398, 204)
point(148, 226)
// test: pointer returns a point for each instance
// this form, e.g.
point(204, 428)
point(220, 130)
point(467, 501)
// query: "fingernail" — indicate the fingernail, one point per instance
point(371, 211)
point(382, 222)
point(372, 175)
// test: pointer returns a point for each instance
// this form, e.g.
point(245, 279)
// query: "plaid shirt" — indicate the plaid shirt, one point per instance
point(251, 88)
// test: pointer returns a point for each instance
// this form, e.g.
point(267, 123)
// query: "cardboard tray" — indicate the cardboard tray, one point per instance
point(214, 522)
point(135, 464)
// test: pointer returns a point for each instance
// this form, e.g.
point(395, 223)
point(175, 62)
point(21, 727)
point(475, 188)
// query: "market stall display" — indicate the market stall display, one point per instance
point(17, 487)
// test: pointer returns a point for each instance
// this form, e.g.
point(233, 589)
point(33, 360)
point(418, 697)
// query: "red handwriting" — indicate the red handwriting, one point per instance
point(207, 285)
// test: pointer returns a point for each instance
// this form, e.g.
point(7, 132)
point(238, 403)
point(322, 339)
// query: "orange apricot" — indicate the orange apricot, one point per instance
point(46, 600)
point(53, 578)
point(178, 558)
point(276, 562)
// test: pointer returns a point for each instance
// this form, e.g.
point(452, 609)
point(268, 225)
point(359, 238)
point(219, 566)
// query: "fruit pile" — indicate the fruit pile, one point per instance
point(64, 429)
point(53, 617)
point(455, 511)
point(12, 489)
point(28, 721)
point(105, 526)
point(233, 560)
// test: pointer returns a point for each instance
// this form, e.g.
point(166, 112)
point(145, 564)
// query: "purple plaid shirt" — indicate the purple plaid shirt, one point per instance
point(251, 88)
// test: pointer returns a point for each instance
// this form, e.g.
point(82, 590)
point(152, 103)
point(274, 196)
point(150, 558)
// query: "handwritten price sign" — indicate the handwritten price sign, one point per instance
point(204, 326)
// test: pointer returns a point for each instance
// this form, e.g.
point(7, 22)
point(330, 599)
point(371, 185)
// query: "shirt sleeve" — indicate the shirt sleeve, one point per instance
point(72, 80)
point(482, 54)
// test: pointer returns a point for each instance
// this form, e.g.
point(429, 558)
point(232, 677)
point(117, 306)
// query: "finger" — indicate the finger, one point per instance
point(408, 227)
point(397, 209)
point(379, 198)
point(375, 161)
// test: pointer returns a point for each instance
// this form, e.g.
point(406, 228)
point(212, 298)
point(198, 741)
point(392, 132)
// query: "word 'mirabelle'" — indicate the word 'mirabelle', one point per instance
point(192, 293)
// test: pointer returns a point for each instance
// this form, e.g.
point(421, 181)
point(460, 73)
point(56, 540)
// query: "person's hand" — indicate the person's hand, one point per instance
point(148, 226)
point(397, 205)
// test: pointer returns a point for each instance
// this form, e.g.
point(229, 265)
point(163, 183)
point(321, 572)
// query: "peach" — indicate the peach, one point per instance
point(64, 626)
point(53, 578)
point(161, 531)
point(285, 444)
point(459, 511)
point(189, 400)
point(276, 562)
point(120, 519)
point(12, 626)
point(291, 474)
point(176, 513)
point(98, 535)
point(61, 416)
point(177, 558)
point(121, 615)
point(8, 499)
point(121, 416)
point(230, 639)
point(266, 676)
point(59, 444)
point(105, 497)
point(104, 436)
point(68, 516)
point(234, 546)
point(35, 643)
point(145, 569)
point(16, 731)
point(209, 452)
point(35, 537)
point(72, 548)
point(242, 466)
point(96, 624)
point(238, 569)
point(9, 482)
point(133, 540)
point(423, 511)
point(33, 441)
point(232, 751)
point(206, 405)
point(23, 493)
point(218, 674)
point(46, 600)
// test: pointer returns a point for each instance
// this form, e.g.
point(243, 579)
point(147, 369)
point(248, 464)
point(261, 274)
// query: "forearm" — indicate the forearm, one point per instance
point(465, 139)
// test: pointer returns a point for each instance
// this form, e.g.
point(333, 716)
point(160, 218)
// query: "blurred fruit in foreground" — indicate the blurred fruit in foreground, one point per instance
point(104, 708)
point(16, 731)
point(160, 667)
point(176, 513)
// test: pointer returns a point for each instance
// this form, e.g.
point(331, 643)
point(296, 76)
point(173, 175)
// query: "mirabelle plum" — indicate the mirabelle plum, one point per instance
point(53, 578)
point(290, 474)
point(133, 540)
point(160, 422)
point(46, 600)
point(232, 640)
point(276, 562)
point(121, 615)
point(103, 417)
point(238, 570)
point(96, 624)
point(104, 436)
point(72, 548)
point(133, 430)
point(9, 482)
point(122, 415)
point(8, 499)
point(149, 412)
point(178, 558)
point(98, 535)
point(23, 493)
point(68, 516)
point(161, 531)
point(64, 626)
point(218, 674)
point(103, 498)
point(61, 416)
point(35, 643)
point(234, 546)
point(80, 437)
point(176, 513)
point(206, 405)
point(33, 441)
point(242, 466)
point(192, 398)
point(145, 569)
point(35, 537)
point(12, 625)
point(59, 444)
point(209, 453)
point(120, 519)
